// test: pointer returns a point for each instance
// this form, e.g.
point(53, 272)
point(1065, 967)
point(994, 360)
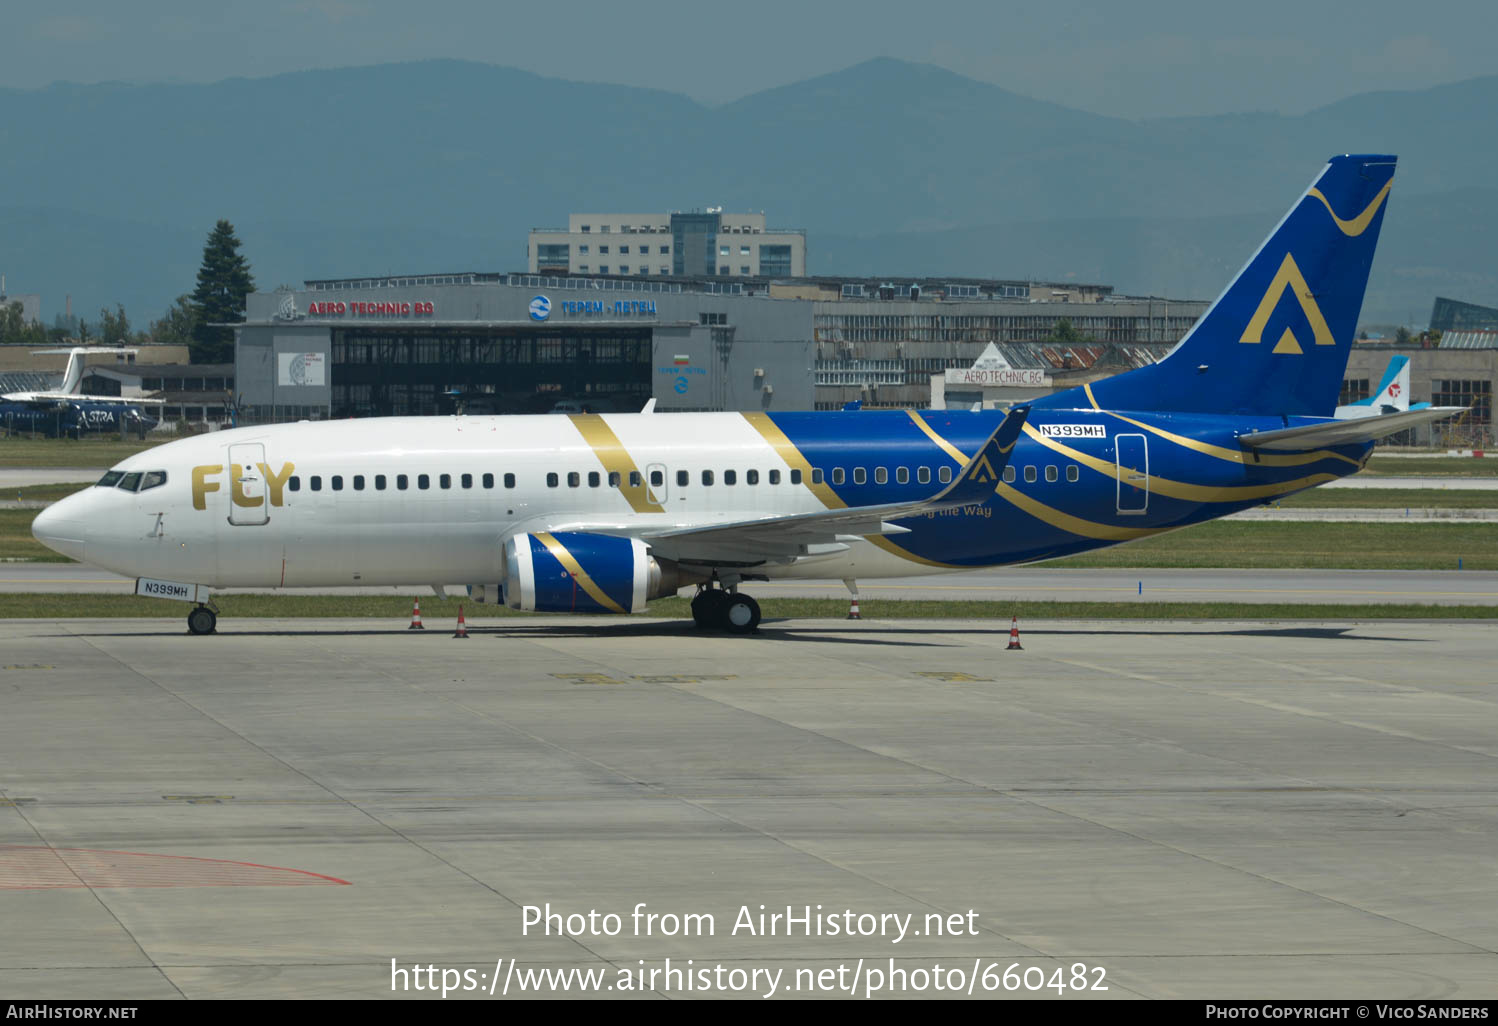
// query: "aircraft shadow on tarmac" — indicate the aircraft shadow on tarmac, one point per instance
point(773, 630)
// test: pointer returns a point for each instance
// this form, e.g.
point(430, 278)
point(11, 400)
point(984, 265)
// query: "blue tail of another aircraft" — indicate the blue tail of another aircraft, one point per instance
point(1276, 341)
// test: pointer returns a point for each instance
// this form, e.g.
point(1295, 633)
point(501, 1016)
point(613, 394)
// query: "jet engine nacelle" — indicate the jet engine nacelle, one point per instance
point(579, 572)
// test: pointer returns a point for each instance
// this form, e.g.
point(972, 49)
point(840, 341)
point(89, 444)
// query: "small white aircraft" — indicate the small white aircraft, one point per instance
point(72, 381)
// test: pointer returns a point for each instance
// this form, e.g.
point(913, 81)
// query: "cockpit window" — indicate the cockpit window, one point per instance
point(130, 482)
point(110, 479)
point(153, 479)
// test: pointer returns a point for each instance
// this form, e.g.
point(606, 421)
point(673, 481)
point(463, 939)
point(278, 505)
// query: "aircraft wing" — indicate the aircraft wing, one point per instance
point(1342, 432)
point(70, 397)
point(755, 541)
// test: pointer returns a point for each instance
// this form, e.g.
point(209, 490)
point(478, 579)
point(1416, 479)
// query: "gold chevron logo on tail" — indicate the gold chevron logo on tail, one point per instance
point(1288, 277)
point(983, 472)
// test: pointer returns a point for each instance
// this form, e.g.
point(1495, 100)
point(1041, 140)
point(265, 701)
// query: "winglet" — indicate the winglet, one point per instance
point(984, 471)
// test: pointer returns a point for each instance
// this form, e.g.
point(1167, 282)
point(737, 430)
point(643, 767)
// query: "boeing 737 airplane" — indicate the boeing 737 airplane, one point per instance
point(604, 512)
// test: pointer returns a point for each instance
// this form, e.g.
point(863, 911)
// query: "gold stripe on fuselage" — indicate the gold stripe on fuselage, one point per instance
point(616, 460)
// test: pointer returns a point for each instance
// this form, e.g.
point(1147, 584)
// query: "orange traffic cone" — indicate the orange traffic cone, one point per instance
point(853, 610)
point(1014, 645)
point(416, 617)
point(462, 631)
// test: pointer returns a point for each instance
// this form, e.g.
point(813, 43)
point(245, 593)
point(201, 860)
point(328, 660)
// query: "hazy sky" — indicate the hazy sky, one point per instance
point(1140, 58)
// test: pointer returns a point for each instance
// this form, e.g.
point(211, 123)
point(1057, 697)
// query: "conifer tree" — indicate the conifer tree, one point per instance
point(223, 283)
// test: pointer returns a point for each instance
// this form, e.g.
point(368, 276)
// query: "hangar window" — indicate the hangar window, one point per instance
point(510, 481)
point(402, 482)
point(153, 479)
point(1009, 475)
point(423, 481)
point(923, 475)
point(358, 482)
point(774, 477)
point(1030, 475)
point(665, 250)
point(707, 477)
point(1072, 473)
point(837, 475)
point(315, 483)
point(751, 477)
point(337, 482)
point(488, 480)
point(574, 479)
point(603, 249)
point(379, 482)
point(623, 250)
point(552, 480)
point(1052, 475)
point(466, 480)
point(944, 475)
point(444, 480)
point(295, 484)
point(860, 476)
point(881, 475)
point(593, 479)
point(603, 268)
point(583, 248)
point(730, 477)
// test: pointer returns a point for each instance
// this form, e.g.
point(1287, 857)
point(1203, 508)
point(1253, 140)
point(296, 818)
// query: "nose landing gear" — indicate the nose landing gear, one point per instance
point(202, 620)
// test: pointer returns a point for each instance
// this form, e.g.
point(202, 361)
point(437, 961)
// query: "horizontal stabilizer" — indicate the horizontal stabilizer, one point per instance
point(1347, 432)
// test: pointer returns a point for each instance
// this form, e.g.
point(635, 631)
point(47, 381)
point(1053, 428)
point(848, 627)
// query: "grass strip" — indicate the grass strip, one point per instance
point(440, 615)
point(1423, 466)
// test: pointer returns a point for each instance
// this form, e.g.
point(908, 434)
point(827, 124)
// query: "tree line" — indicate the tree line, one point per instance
point(224, 280)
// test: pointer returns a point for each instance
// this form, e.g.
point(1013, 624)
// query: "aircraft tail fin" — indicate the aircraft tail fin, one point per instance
point(1394, 389)
point(1276, 341)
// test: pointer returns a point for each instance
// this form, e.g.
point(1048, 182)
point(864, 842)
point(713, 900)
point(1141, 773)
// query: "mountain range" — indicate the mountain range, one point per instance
point(107, 192)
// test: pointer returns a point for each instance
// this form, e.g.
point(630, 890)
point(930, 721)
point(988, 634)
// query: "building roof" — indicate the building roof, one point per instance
point(1469, 340)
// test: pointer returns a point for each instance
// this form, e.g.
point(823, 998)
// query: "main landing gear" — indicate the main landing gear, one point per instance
point(202, 620)
point(718, 609)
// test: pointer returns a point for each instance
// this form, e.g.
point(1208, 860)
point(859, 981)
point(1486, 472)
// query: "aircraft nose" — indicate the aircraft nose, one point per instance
point(54, 529)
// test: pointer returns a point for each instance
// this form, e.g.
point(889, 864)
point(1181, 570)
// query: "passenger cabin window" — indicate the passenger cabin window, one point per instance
point(1009, 475)
point(682, 477)
point(615, 479)
point(110, 479)
point(944, 475)
point(358, 482)
point(574, 479)
point(315, 482)
point(1072, 473)
point(295, 484)
point(657, 478)
point(444, 480)
point(466, 480)
point(816, 476)
point(860, 476)
point(635, 480)
point(707, 477)
point(837, 475)
point(423, 481)
point(594, 480)
point(379, 482)
point(488, 480)
point(751, 477)
point(510, 481)
point(902, 475)
point(337, 482)
point(1030, 475)
point(552, 480)
point(923, 475)
point(881, 475)
point(153, 479)
point(1052, 475)
point(402, 482)
point(730, 477)
point(774, 477)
